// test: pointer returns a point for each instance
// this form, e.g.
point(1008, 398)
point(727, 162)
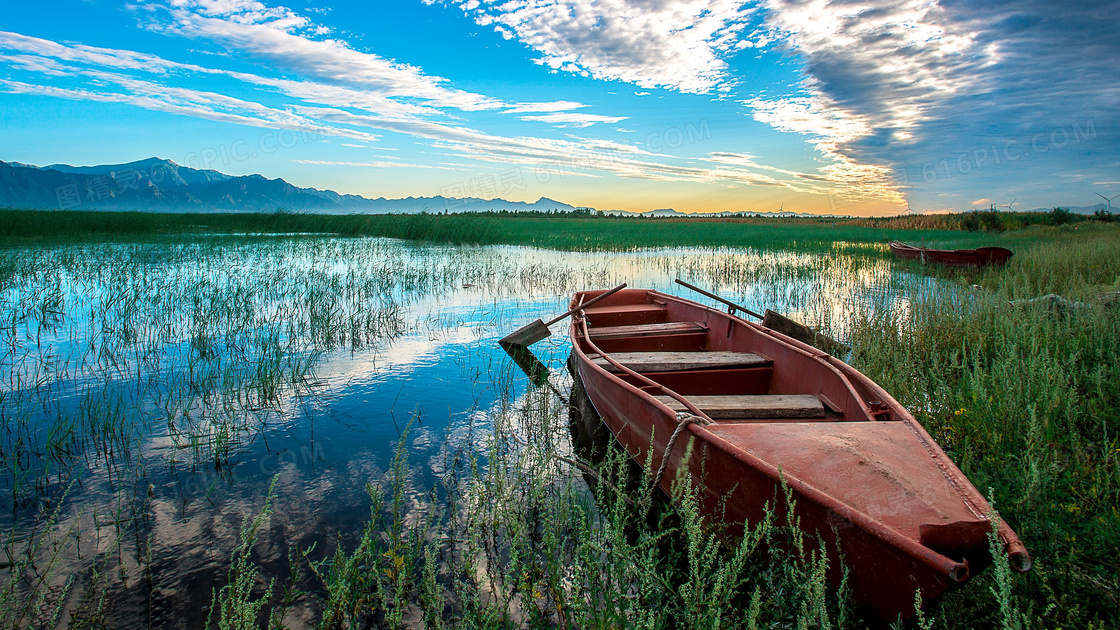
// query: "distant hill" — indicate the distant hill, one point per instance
point(158, 185)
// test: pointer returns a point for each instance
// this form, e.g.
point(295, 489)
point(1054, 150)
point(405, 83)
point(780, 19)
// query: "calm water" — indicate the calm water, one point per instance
point(151, 392)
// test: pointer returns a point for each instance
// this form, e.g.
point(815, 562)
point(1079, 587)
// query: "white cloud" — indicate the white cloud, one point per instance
point(677, 44)
point(573, 119)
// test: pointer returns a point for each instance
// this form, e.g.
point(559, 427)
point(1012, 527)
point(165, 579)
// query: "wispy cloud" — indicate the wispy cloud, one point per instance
point(348, 94)
point(573, 119)
point(197, 104)
point(378, 164)
point(291, 41)
point(535, 108)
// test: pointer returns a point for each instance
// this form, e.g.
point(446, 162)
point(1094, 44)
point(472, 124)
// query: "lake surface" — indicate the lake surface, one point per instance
point(150, 392)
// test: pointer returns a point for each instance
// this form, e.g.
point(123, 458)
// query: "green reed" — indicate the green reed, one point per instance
point(567, 231)
point(1022, 395)
point(514, 537)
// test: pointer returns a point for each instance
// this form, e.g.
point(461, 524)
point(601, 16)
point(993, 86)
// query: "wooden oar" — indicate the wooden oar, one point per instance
point(534, 332)
point(731, 305)
point(780, 323)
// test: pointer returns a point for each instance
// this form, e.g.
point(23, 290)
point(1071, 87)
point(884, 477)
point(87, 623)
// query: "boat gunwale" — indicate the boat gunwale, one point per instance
point(973, 258)
point(958, 571)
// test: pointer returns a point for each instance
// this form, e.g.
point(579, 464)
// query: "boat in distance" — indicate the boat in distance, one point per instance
point(741, 410)
point(971, 258)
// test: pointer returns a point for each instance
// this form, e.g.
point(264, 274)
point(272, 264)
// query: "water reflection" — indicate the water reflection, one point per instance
point(151, 391)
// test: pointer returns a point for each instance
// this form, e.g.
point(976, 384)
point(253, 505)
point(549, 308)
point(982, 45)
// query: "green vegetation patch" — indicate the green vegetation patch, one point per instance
point(565, 231)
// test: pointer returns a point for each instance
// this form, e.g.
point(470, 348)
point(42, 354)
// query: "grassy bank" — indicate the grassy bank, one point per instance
point(1023, 396)
point(572, 231)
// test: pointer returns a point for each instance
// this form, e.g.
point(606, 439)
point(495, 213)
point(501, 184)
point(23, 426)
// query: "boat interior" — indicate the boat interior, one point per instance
point(800, 412)
point(729, 386)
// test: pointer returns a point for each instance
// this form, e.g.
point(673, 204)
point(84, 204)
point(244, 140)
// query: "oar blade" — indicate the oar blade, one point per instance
point(526, 335)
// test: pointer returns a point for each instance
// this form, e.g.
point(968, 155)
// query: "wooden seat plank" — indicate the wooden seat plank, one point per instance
point(626, 314)
point(592, 311)
point(679, 361)
point(752, 407)
point(647, 330)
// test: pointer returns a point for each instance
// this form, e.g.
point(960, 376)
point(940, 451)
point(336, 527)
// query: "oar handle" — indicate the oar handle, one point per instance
point(586, 304)
point(718, 298)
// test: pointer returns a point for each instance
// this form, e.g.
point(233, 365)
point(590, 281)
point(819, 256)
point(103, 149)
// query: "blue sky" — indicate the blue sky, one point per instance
point(699, 105)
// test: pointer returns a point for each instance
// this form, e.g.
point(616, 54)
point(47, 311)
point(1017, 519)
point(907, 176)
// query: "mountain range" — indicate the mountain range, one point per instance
point(159, 185)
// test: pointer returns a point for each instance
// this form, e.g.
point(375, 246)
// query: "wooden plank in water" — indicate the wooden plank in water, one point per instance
point(751, 407)
point(677, 361)
point(647, 330)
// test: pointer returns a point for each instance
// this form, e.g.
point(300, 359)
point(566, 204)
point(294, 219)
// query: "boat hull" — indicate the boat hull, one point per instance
point(740, 467)
point(968, 258)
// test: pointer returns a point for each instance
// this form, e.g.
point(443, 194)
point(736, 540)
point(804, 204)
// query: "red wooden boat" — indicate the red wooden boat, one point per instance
point(974, 258)
point(754, 407)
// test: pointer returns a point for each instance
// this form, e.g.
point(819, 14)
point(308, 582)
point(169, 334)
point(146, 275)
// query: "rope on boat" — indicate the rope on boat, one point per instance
point(683, 420)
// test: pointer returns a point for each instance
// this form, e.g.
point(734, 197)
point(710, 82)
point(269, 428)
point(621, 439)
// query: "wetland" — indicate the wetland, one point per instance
point(307, 429)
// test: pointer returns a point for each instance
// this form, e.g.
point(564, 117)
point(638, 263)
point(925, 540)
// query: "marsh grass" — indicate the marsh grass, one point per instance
point(1023, 396)
point(520, 540)
point(566, 231)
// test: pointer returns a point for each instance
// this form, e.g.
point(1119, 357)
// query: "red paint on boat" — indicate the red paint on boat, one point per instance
point(974, 258)
point(866, 477)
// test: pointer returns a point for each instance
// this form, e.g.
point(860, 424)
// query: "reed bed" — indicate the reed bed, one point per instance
point(576, 231)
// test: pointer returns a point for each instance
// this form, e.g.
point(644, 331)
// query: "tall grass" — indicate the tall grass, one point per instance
point(519, 540)
point(1023, 396)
